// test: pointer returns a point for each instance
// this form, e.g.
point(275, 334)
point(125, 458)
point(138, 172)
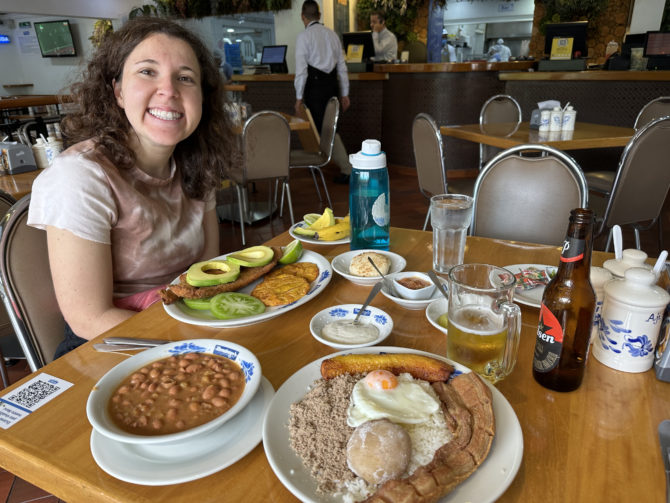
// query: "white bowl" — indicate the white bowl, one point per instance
point(341, 263)
point(436, 309)
point(411, 293)
point(371, 315)
point(414, 305)
point(98, 399)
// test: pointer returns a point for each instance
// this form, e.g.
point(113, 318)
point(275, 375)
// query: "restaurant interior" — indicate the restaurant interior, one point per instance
point(526, 139)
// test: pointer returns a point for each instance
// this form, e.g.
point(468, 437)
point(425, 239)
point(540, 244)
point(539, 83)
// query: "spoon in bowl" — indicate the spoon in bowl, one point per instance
point(373, 292)
point(389, 283)
point(618, 246)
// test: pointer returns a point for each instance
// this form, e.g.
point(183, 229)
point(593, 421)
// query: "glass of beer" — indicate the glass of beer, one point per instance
point(484, 323)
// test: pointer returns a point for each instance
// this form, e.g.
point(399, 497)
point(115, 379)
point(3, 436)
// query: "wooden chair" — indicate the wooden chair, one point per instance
point(528, 199)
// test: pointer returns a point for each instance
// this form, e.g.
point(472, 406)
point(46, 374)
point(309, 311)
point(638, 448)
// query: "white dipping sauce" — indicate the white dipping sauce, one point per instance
point(345, 332)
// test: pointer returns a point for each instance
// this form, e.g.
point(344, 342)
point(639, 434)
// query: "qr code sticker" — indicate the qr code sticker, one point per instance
point(37, 391)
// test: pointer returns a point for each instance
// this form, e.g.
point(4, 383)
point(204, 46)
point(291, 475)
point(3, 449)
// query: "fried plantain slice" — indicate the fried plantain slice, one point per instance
point(281, 290)
point(419, 366)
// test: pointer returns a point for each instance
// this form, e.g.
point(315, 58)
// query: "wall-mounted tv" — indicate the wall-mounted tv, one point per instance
point(55, 39)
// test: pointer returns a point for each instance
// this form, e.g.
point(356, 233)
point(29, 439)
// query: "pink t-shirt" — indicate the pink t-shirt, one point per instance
point(154, 229)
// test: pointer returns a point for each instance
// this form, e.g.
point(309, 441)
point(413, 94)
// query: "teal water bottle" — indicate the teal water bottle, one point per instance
point(369, 204)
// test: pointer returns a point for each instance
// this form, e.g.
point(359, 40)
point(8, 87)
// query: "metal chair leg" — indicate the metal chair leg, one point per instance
point(325, 188)
point(316, 184)
point(3, 371)
point(288, 197)
point(425, 224)
point(637, 238)
point(242, 211)
point(609, 241)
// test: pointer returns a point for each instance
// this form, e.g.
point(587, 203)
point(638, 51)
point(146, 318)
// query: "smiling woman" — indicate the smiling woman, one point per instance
point(131, 202)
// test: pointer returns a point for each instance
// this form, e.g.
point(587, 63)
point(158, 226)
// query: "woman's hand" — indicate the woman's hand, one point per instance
point(82, 275)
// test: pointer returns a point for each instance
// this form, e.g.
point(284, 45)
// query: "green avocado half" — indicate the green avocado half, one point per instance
point(256, 256)
point(212, 272)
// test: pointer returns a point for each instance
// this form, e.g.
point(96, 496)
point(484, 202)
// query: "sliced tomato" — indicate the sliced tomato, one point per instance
point(199, 304)
point(229, 305)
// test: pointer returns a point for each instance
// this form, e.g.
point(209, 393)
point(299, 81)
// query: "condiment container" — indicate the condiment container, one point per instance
point(556, 119)
point(599, 276)
point(53, 147)
point(569, 119)
point(545, 116)
point(630, 321)
point(631, 257)
point(39, 151)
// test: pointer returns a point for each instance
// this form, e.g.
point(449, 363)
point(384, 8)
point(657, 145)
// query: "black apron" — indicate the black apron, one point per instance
point(319, 88)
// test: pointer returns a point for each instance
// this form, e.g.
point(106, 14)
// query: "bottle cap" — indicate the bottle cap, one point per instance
point(370, 156)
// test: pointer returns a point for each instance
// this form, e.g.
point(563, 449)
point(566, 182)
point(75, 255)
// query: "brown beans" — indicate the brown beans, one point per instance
point(176, 393)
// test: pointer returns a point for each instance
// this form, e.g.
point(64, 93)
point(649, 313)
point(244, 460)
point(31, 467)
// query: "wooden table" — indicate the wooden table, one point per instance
point(19, 185)
point(598, 443)
point(585, 135)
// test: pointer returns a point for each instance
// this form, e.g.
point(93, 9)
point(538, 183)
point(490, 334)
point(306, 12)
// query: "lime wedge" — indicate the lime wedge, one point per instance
point(292, 252)
point(443, 321)
point(310, 218)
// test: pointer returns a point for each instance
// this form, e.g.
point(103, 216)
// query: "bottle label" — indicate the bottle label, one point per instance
point(573, 250)
point(381, 211)
point(549, 342)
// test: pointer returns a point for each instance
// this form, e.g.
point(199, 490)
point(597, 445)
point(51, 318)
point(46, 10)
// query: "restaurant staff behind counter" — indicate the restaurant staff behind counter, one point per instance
point(385, 42)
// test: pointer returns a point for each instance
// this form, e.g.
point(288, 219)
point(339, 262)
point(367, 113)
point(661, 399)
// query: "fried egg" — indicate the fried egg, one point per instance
point(400, 399)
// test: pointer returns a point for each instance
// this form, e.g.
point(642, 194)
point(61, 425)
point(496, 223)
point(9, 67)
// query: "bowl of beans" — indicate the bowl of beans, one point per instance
point(413, 285)
point(174, 391)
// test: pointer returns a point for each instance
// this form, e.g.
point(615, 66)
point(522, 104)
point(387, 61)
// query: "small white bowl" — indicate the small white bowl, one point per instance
point(413, 294)
point(371, 315)
point(436, 309)
point(98, 399)
point(414, 305)
point(341, 263)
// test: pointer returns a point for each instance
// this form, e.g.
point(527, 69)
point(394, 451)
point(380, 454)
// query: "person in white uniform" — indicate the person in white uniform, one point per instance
point(320, 73)
point(499, 52)
point(385, 42)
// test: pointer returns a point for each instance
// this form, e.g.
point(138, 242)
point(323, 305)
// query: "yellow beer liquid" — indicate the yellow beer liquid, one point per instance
point(476, 339)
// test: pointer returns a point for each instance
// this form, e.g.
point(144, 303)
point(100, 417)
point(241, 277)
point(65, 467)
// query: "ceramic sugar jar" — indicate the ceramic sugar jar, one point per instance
point(630, 321)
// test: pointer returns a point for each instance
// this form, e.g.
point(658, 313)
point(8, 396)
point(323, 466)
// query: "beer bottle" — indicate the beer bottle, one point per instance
point(566, 313)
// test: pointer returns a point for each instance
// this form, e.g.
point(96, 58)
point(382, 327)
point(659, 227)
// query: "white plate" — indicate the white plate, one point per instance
point(98, 398)
point(532, 297)
point(486, 484)
point(341, 266)
point(197, 457)
point(180, 311)
point(371, 315)
point(415, 305)
point(307, 239)
point(436, 309)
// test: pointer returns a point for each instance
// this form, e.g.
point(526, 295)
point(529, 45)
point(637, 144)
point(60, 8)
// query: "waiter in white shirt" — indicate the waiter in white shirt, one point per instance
point(319, 64)
point(385, 42)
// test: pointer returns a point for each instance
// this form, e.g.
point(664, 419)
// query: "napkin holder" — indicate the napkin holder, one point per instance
point(16, 158)
point(535, 119)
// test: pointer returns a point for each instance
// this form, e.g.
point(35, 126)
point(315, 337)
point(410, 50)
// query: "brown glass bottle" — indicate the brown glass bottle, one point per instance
point(566, 313)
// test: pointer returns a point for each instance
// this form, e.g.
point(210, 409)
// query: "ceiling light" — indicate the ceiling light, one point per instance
point(230, 30)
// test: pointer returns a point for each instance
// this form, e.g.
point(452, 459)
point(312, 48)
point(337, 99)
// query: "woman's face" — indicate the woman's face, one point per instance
point(160, 91)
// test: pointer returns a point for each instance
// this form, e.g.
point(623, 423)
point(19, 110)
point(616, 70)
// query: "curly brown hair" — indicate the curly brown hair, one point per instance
point(204, 158)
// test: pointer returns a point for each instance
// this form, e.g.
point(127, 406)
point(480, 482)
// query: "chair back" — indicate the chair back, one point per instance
point(498, 109)
point(642, 178)
point(329, 127)
point(428, 155)
point(266, 140)
point(6, 202)
point(525, 198)
point(28, 293)
point(655, 109)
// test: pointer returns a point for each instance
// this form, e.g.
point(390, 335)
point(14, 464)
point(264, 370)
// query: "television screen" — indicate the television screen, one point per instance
point(657, 44)
point(55, 39)
point(273, 54)
point(575, 30)
point(363, 38)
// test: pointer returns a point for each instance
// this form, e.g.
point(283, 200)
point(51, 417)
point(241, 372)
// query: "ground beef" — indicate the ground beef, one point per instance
point(318, 431)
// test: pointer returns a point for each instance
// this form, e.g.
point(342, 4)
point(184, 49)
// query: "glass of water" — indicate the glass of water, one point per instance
point(450, 217)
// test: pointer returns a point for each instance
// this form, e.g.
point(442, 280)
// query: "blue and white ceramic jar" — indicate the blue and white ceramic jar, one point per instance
point(631, 317)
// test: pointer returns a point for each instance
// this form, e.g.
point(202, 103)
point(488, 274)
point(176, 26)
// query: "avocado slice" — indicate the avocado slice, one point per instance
point(304, 232)
point(212, 272)
point(256, 256)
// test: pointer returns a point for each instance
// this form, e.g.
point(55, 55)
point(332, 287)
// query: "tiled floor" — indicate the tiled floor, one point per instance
point(408, 209)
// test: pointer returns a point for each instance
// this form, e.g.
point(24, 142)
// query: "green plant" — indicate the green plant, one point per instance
point(203, 8)
point(400, 15)
point(557, 11)
point(100, 29)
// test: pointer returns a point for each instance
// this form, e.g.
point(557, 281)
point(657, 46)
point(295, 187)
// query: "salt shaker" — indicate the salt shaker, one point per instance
point(630, 321)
